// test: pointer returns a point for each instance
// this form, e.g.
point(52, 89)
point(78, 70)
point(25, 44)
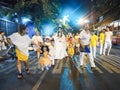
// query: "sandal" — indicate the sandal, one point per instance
point(28, 71)
point(20, 76)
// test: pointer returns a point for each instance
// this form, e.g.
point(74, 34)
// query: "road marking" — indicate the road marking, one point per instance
point(39, 81)
point(78, 68)
point(55, 68)
point(4, 69)
point(103, 65)
point(88, 68)
point(110, 61)
point(113, 68)
point(115, 56)
point(60, 67)
point(99, 70)
point(16, 67)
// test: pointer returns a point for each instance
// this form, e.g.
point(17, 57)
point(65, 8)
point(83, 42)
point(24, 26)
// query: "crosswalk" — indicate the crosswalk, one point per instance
point(110, 63)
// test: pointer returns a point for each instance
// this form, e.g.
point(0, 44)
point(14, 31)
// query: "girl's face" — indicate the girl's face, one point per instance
point(44, 49)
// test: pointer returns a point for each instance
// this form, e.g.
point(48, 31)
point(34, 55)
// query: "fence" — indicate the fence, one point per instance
point(7, 26)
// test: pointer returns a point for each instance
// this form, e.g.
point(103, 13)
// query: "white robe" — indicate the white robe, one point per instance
point(60, 47)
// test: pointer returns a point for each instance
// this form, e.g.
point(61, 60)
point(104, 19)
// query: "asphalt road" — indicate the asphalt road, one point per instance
point(66, 75)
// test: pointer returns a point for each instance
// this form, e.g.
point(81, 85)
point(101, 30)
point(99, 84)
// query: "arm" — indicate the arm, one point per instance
point(80, 42)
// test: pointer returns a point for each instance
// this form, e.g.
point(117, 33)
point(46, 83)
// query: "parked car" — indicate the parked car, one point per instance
point(116, 38)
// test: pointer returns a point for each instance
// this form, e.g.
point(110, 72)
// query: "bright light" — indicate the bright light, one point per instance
point(86, 21)
point(47, 29)
point(65, 18)
point(25, 20)
point(82, 21)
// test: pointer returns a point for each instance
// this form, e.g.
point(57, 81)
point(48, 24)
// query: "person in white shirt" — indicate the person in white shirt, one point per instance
point(108, 41)
point(84, 44)
point(21, 41)
point(37, 39)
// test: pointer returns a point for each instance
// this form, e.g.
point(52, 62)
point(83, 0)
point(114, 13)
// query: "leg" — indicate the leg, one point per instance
point(94, 51)
point(38, 54)
point(101, 49)
point(19, 69)
point(26, 67)
point(91, 60)
point(109, 48)
point(105, 47)
point(81, 58)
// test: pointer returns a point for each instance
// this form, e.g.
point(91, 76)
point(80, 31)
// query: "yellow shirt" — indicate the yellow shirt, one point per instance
point(93, 40)
point(70, 50)
point(102, 38)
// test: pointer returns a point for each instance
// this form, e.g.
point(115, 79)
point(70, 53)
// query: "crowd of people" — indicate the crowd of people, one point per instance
point(58, 47)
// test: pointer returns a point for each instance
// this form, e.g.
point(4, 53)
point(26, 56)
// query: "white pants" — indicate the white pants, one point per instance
point(108, 46)
point(101, 49)
point(91, 60)
point(93, 51)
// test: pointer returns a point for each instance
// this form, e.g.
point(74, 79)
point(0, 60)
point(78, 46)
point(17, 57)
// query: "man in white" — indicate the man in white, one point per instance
point(84, 42)
point(108, 41)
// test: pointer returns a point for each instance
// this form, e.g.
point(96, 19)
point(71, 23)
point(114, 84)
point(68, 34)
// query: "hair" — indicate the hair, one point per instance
point(2, 32)
point(42, 48)
point(58, 34)
point(22, 27)
point(59, 27)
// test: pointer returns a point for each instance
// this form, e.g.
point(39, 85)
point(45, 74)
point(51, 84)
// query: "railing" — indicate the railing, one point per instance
point(7, 26)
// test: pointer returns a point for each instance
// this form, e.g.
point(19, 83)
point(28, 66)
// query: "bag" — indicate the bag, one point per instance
point(86, 49)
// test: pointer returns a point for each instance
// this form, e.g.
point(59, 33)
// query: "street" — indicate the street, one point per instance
point(66, 75)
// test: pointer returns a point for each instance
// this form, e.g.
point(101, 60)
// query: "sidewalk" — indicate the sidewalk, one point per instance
point(116, 46)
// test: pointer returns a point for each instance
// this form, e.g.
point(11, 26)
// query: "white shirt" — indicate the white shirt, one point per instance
point(36, 40)
point(85, 37)
point(108, 36)
point(21, 42)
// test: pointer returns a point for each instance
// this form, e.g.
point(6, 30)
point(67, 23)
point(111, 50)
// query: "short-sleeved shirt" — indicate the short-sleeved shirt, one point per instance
point(102, 38)
point(108, 36)
point(21, 42)
point(36, 40)
point(93, 40)
point(85, 37)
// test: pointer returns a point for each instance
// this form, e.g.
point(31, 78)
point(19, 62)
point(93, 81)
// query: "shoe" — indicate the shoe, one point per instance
point(93, 68)
point(81, 66)
point(103, 53)
point(42, 69)
point(27, 71)
point(20, 76)
point(47, 68)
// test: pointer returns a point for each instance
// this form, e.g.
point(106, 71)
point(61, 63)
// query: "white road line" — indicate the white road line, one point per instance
point(39, 81)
